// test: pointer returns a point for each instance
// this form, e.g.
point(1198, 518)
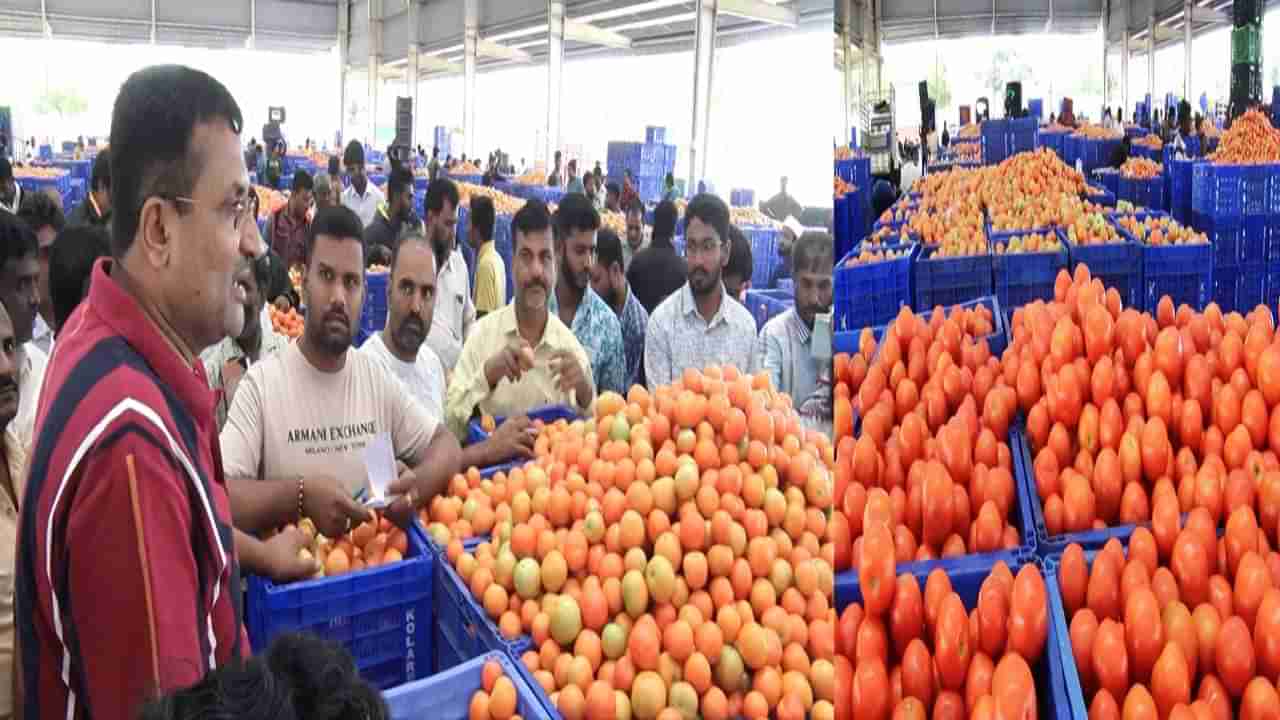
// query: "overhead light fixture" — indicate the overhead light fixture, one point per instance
point(652, 22)
point(532, 30)
point(629, 10)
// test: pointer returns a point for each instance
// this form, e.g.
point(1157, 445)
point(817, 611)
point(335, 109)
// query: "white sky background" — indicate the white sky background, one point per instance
point(762, 126)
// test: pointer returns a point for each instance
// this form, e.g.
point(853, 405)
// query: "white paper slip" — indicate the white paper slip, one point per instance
point(380, 462)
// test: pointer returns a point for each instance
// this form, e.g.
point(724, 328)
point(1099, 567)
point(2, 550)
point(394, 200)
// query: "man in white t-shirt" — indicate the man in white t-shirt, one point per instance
point(362, 196)
point(455, 312)
point(402, 349)
point(312, 408)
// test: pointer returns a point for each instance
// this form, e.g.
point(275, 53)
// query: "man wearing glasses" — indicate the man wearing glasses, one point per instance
point(287, 228)
point(695, 327)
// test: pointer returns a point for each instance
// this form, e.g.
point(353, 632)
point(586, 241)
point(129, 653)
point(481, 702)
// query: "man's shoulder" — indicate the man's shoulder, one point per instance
point(670, 307)
point(737, 315)
point(777, 326)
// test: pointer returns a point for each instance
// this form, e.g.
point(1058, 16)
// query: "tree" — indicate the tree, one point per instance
point(61, 102)
point(939, 88)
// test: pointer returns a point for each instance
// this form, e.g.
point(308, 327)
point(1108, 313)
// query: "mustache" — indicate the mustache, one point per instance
point(8, 383)
point(413, 322)
point(336, 315)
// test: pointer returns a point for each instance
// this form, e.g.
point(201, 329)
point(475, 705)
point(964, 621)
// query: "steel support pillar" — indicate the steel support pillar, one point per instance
point(555, 66)
point(1106, 39)
point(411, 78)
point(704, 53)
point(470, 43)
point(375, 67)
point(1151, 56)
point(847, 69)
point(1187, 6)
point(1124, 61)
point(344, 60)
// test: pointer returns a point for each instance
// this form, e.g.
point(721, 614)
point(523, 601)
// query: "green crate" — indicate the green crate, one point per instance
point(1246, 45)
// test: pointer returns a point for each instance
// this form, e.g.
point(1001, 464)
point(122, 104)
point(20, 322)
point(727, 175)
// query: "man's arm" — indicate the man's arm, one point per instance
point(486, 289)
point(430, 472)
point(613, 375)
point(467, 388)
point(657, 356)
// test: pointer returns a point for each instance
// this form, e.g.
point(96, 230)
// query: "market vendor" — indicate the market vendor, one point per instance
point(95, 209)
point(401, 348)
point(392, 217)
point(287, 229)
point(635, 233)
point(786, 341)
point(45, 219)
point(578, 306)
point(695, 327)
point(15, 443)
point(491, 271)
point(362, 196)
point(522, 356)
point(311, 409)
point(455, 311)
point(609, 280)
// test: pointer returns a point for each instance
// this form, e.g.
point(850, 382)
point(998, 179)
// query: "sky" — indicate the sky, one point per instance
point(759, 131)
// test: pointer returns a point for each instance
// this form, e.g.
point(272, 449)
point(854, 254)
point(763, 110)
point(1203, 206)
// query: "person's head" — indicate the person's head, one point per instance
point(811, 262)
point(435, 152)
point(333, 286)
point(45, 219)
point(400, 193)
point(326, 191)
point(301, 676)
point(353, 161)
point(557, 158)
point(706, 242)
point(573, 168)
point(635, 223)
point(533, 263)
point(481, 218)
point(100, 181)
point(589, 183)
point(8, 371)
point(608, 273)
point(255, 277)
point(671, 181)
point(411, 294)
point(71, 266)
point(19, 274)
point(8, 185)
point(1184, 117)
point(441, 214)
point(612, 196)
point(737, 273)
point(882, 197)
point(576, 225)
point(301, 193)
point(664, 222)
point(179, 189)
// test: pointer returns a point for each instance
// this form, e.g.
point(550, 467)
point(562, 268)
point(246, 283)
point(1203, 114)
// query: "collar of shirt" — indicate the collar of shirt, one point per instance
point(801, 330)
point(509, 327)
point(485, 250)
point(41, 329)
point(119, 311)
point(691, 305)
point(586, 307)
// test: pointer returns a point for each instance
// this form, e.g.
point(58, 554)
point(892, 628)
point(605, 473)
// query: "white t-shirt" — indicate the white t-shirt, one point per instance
point(423, 378)
point(365, 205)
point(289, 419)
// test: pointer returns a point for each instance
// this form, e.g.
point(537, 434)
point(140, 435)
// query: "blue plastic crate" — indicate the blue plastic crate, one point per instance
point(1143, 193)
point(1020, 278)
point(1108, 177)
point(1142, 151)
point(1183, 272)
point(868, 295)
point(1251, 289)
point(1022, 141)
point(1216, 190)
point(373, 314)
point(447, 695)
point(768, 304)
point(462, 629)
point(1271, 285)
point(654, 134)
point(742, 197)
point(1180, 184)
point(854, 170)
point(1226, 235)
point(1071, 149)
point(1117, 265)
point(1023, 124)
point(1253, 241)
point(1273, 190)
point(547, 414)
point(995, 141)
point(1255, 183)
point(1052, 698)
point(1225, 280)
point(382, 616)
point(765, 257)
point(947, 281)
point(1051, 140)
point(1271, 230)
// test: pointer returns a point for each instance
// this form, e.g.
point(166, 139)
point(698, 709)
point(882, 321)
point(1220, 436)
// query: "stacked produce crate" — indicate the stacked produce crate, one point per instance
point(440, 140)
point(995, 141)
point(1246, 56)
point(1022, 134)
point(742, 197)
point(649, 163)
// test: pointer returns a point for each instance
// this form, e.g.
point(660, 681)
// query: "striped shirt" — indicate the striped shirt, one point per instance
point(679, 338)
point(125, 558)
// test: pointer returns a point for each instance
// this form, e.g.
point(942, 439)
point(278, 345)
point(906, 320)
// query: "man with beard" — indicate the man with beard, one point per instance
point(455, 310)
point(10, 190)
point(227, 361)
point(287, 228)
point(635, 233)
point(522, 356)
point(491, 272)
point(610, 282)
point(398, 212)
point(786, 341)
point(579, 307)
point(316, 404)
point(362, 196)
point(402, 350)
point(657, 270)
point(15, 442)
point(45, 219)
point(613, 198)
point(20, 294)
point(695, 327)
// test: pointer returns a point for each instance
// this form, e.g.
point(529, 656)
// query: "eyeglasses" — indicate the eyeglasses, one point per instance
point(703, 248)
point(238, 210)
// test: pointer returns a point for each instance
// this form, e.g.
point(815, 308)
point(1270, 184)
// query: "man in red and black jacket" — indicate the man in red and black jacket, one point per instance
point(128, 582)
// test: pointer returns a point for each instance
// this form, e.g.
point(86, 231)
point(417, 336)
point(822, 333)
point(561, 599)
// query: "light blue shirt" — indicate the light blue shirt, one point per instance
point(598, 329)
point(786, 352)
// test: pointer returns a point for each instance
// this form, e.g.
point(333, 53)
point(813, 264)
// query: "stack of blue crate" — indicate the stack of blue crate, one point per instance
point(1238, 208)
point(649, 163)
point(440, 140)
point(995, 141)
point(1022, 134)
point(742, 197)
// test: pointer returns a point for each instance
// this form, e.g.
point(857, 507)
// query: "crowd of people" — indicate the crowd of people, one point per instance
point(156, 425)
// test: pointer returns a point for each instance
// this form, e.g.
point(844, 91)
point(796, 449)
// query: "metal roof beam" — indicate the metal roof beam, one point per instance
point(760, 11)
point(592, 35)
point(489, 48)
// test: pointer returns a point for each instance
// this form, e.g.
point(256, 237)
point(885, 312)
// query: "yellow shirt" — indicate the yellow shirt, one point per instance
point(469, 389)
point(491, 279)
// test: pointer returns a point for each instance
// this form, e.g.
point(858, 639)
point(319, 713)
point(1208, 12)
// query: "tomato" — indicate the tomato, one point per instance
point(936, 587)
point(875, 569)
point(870, 698)
point(1083, 633)
point(978, 682)
point(1110, 658)
point(1103, 592)
point(906, 619)
point(843, 687)
point(917, 672)
point(1144, 633)
point(847, 629)
point(938, 498)
point(1190, 565)
point(872, 641)
point(1164, 586)
point(952, 650)
point(1208, 624)
point(1073, 578)
point(909, 709)
point(1266, 634)
point(1013, 688)
point(1139, 705)
point(1233, 658)
point(1260, 701)
point(1180, 628)
point(1214, 694)
point(993, 615)
point(1104, 707)
point(1253, 580)
point(1028, 614)
point(948, 706)
point(1142, 547)
point(1241, 537)
point(1170, 679)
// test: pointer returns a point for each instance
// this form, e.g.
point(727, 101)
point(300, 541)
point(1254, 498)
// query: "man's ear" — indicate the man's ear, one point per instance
point(153, 240)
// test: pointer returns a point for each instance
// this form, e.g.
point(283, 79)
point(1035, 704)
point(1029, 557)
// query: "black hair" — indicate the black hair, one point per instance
point(813, 252)
point(101, 179)
point(399, 182)
point(334, 169)
point(711, 210)
point(612, 188)
point(574, 214)
point(409, 232)
point(664, 222)
point(71, 263)
point(482, 216)
point(38, 210)
point(17, 239)
point(151, 152)
point(300, 676)
point(302, 180)
point(437, 191)
point(533, 217)
point(354, 154)
point(739, 254)
point(637, 205)
point(671, 179)
point(337, 222)
point(6, 169)
point(435, 151)
point(609, 249)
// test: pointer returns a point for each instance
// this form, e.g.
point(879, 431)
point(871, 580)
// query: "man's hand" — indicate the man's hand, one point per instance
point(513, 438)
point(282, 303)
point(511, 362)
point(570, 375)
point(284, 559)
point(328, 504)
